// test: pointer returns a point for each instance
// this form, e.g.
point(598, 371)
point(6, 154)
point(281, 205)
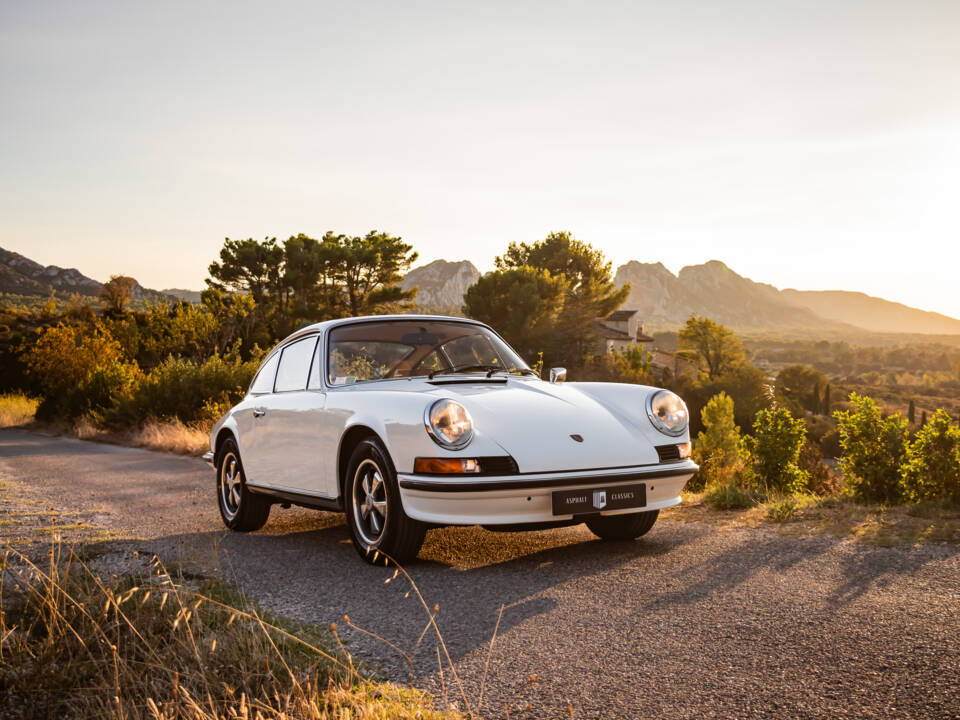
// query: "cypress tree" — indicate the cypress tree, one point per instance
point(815, 400)
point(826, 400)
point(912, 413)
point(923, 418)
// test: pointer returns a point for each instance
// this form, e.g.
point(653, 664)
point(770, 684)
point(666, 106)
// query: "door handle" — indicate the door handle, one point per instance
point(259, 412)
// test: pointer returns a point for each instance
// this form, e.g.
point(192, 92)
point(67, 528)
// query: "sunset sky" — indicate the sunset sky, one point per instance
point(806, 144)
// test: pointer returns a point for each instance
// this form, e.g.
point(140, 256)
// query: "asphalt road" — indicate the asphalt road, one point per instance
point(692, 621)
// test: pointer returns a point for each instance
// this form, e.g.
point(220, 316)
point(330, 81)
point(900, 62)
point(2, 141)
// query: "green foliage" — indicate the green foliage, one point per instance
point(248, 266)
point(523, 304)
point(774, 450)
point(589, 292)
point(63, 360)
point(730, 496)
point(306, 280)
point(103, 389)
point(716, 345)
point(193, 392)
point(931, 470)
point(744, 383)
point(717, 449)
point(630, 365)
point(798, 387)
point(873, 448)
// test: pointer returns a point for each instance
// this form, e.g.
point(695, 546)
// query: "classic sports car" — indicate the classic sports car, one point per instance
point(408, 422)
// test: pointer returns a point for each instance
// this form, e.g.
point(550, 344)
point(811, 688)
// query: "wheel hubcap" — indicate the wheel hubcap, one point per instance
point(231, 478)
point(369, 502)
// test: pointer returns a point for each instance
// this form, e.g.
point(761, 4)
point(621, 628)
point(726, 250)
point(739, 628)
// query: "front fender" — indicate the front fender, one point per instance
point(397, 418)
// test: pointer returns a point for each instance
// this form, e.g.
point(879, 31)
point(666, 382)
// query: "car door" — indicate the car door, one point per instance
point(294, 421)
point(251, 424)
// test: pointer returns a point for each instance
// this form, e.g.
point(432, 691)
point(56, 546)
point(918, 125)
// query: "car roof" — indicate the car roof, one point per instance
point(328, 324)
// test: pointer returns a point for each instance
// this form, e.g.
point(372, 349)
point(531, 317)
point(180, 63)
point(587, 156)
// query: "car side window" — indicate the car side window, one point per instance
point(295, 365)
point(263, 383)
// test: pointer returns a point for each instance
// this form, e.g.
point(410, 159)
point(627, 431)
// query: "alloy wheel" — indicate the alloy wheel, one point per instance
point(231, 479)
point(369, 502)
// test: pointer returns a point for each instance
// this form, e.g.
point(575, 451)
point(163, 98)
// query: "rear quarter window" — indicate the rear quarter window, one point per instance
point(263, 382)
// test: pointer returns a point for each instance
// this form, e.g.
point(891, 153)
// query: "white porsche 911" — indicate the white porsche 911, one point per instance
point(409, 422)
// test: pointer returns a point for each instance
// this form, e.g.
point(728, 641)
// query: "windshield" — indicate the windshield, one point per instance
point(404, 348)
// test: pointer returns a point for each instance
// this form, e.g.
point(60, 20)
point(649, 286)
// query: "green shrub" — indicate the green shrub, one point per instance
point(63, 360)
point(786, 508)
point(931, 470)
point(782, 510)
point(185, 390)
point(730, 496)
point(103, 389)
point(775, 450)
point(717, 450)
point(873, 448)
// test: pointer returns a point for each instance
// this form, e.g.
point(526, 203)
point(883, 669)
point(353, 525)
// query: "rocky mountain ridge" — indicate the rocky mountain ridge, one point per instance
point(441, 284)
point(20, 275)
point(665, 301)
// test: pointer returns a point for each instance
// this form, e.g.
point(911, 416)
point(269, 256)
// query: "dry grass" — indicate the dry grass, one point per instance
point(805, 514)
point(17, 409)
point(75, 645)
point(172, 436)
point(166, 436)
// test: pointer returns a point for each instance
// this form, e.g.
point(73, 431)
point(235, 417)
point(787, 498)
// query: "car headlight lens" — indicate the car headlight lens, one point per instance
point(668, 413)
point(449, 424)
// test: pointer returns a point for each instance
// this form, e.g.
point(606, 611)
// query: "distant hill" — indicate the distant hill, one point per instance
point(871, 313)
point(711, 289)
point(187, 296)
point(441, 285)
point(665, 301)
point(20, 275)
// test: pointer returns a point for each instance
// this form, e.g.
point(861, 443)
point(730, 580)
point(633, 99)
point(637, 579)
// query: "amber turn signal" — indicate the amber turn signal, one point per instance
point(445, 466)
point(684, 450)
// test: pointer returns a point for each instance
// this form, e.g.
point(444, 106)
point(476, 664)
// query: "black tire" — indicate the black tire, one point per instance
point(399, 537)
point(241, 509)
point(623, 527)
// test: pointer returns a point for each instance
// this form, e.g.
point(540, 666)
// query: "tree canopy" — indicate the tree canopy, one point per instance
point(521, 303)
point(588, 293)
point(715, 344)
point(306, 280)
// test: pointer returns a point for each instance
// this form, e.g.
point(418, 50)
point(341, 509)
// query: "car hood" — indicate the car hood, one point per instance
point(538, 423)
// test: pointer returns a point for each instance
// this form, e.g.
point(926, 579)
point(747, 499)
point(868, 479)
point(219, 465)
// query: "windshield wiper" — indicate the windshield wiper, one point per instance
point(490, 370)
point(464, 368)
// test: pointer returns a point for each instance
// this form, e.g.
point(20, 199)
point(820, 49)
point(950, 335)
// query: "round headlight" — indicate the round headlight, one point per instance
point(449, 424)
point(667, 412)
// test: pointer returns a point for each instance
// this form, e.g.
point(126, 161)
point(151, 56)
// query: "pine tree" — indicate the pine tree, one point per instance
point(923, 418)
point(912, 413)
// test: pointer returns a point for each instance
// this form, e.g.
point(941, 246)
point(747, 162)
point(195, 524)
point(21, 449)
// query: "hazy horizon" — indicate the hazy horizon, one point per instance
point(814, 146)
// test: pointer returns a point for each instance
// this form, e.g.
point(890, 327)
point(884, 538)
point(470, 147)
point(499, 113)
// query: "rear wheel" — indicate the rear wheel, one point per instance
point(378, 526)
point(623, 527)
point(240, 509)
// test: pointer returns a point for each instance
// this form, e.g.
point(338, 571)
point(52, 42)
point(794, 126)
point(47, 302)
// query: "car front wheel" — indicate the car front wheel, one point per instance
point(380, 530)
point(623, 527)
point(240, 509)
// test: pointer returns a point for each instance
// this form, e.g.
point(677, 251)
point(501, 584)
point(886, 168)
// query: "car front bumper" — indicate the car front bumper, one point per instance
point(528, 497)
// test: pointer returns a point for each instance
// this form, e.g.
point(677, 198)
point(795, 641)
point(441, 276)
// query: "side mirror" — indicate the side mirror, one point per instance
point(558, 375)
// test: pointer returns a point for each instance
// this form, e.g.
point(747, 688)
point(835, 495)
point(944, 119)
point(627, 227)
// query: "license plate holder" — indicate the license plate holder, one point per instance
point(597, 499)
